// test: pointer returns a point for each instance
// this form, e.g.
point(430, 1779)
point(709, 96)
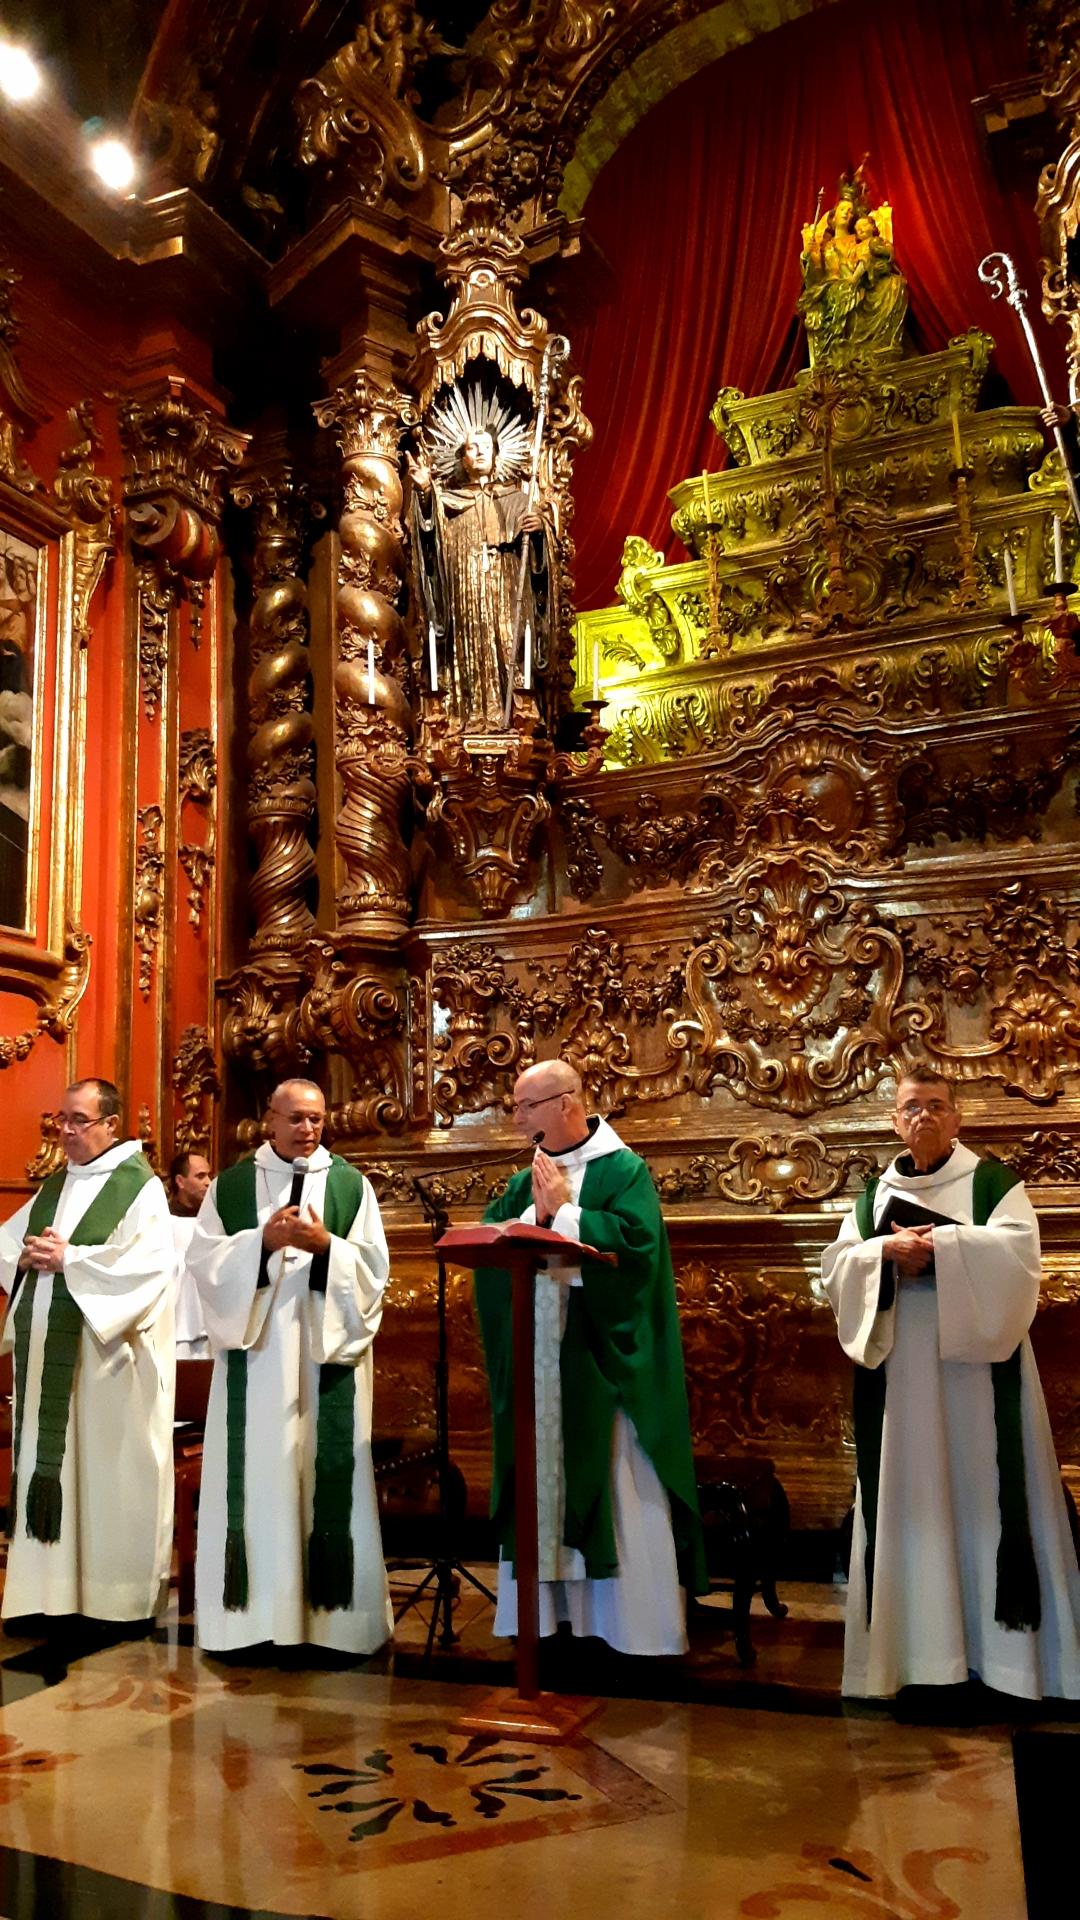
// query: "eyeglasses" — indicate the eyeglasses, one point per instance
point(911, 1109)
point(78, 1122)
point(518, 1106)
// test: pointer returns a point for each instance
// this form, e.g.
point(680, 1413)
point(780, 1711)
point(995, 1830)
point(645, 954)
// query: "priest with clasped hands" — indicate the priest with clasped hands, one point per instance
point(962, 1561)
point(619, 1529)
point(88, 1265)
point(291, 1264)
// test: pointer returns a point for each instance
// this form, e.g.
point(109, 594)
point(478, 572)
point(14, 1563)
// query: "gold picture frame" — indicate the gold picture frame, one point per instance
point(36, 946)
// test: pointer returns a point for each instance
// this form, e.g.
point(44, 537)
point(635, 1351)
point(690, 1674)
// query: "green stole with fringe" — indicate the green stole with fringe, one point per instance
point(1017, 1601)
point(63, 1333)
point(330, 1546)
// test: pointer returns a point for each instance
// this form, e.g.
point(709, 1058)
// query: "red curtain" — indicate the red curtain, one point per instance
point(698, 215)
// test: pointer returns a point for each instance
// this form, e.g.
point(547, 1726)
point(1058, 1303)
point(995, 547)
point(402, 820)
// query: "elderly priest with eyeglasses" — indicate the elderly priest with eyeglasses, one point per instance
point(88, 1265)
point(619, 1529)
point(962, 1561)
point(291, 1265)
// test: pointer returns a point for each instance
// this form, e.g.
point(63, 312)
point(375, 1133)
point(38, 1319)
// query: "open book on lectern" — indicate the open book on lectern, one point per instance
point(518, 1233)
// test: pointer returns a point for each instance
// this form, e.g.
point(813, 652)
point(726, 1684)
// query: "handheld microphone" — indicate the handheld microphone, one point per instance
point(299, 1172)
point(538, 1138)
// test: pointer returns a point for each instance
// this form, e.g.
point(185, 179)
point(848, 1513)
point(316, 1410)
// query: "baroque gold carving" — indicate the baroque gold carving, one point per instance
point(281, 753)
point(196, 1082)
point(177, 456)
point(86, 498)
point(1045, 1158)
point(1014, 958)
point(796, 992)
point(742, 1346)
point(373, 716)
point(149, 880)
point(20, 409)
point(355, 1010)
point(487, 801)
point(56, 1015)
point(776, 1170)
point(197, 781)
point(361, 103)
point(49, 1157)
point(474, 1067)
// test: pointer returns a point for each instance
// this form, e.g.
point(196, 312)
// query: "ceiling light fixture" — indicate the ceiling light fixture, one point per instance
point(20, 76)
point(114, 163)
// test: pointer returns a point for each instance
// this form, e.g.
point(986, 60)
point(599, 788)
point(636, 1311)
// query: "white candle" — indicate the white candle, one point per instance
point(526, 675)
point(596, 670)
point(1010, 583)
point(371, 673)
point(1059, 558)
point(433, 664)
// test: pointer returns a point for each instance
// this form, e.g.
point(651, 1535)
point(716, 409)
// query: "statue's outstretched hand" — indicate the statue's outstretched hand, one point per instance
point(419, 474)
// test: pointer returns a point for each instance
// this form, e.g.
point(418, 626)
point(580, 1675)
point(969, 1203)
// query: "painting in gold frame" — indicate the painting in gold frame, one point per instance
point(41, 732)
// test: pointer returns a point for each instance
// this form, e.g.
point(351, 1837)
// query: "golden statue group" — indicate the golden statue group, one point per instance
point(854, 298)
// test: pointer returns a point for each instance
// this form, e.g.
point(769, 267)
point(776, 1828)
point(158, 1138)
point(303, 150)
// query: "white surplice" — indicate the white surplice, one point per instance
point(938, 1525)
point(112, 1559)
point(192, 1342)
point(641, 1609)
point(288, 1332)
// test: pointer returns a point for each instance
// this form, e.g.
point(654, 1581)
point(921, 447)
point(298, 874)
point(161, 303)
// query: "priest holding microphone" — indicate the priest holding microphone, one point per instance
point(291, 1264)
point(619, 1530)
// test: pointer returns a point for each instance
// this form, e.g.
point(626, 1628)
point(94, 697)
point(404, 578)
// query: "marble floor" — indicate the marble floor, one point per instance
point(144, 1782)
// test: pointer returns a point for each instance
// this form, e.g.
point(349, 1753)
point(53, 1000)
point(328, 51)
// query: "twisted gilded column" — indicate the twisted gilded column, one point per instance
point(281, 753)
point(372, 715)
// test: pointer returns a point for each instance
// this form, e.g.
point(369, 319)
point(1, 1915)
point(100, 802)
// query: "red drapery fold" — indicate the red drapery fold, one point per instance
point(699, 211)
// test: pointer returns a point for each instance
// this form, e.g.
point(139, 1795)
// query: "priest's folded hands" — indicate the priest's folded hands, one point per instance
point(287, 1227)
point(911, 1249)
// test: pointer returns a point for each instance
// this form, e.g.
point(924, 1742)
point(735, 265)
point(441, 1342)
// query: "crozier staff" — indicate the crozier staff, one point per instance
point(88, 1264)
point(291, 1264)
point(620, 1534)
point(962, 1561)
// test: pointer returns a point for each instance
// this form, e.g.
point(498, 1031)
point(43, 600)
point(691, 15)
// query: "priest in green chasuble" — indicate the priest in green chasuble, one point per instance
point(291, 1265)
point(962, 1560)
point(619, 1530)
point(88, 1267)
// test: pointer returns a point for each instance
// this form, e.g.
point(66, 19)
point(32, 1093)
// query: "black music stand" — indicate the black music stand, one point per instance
point(445, 1570)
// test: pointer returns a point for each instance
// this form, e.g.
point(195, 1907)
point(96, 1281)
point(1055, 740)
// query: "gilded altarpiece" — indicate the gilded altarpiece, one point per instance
point(819, 818)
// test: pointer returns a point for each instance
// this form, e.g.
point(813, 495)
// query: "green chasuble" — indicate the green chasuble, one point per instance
point(621, 1349)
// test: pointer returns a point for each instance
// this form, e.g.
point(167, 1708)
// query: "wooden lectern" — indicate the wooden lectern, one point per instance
point(519, 1250)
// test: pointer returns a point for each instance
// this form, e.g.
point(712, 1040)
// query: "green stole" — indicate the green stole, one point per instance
point(1017, 1602)
point(330, 1546)
point(63, 1333)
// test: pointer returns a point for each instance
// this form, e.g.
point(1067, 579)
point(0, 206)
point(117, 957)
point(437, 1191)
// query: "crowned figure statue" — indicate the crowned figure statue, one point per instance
point(854, 298)
point(484, 552)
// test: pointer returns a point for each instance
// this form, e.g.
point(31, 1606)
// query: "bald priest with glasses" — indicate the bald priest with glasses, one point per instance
point(88, 1267)
point(619, 1532)
point(962, 1562)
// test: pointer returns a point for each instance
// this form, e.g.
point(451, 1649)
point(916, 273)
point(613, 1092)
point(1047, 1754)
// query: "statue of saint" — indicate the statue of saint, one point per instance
point(854, 298)
point(468, 535)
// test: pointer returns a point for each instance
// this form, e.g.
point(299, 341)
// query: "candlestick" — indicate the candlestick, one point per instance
point(526, 673)
point(958, 445)
point(371, 673)
point(596, 670)
point(1059, 556)
point(1010, 584)
point(433, 663)
point(705, 491)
